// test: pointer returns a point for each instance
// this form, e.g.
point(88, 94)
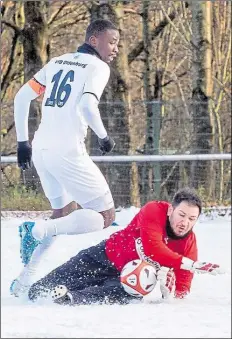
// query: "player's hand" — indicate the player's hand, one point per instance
point(201, 267)
point(106, 145)
point(206, 267)
point(24, 154)
point(167, 280)
point(181, 294)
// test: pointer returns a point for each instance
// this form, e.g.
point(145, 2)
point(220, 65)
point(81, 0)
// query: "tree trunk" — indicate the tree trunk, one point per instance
point(202, 91)
point(35, 46)
point(35, 49)
point(221, 69)
point(115, 110)
point(151, 178)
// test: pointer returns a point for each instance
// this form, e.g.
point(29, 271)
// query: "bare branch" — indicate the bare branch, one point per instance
point(55, 15)
point(177, 81)
point(173, 25)
point(88, 7)
point(7, 154)
point(11, 62)
point(13, 26)
point(61, 21)
point(169, 174)
point(172, 80)
point(179, 64)
point(132, 11)
point(70, 23)
point(222, 87)
point(156, 32)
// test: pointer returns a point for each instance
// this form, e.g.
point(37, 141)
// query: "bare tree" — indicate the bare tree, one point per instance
point(162, 43)
point(151, 179)
point(221, 103)
point(202, 89)
point(115, 104)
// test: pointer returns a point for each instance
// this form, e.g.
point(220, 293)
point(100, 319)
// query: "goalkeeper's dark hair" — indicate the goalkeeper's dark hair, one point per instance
point(189, 196)
point(99, 26)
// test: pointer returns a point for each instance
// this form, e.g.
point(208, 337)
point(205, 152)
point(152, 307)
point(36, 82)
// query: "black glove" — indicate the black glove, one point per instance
point(24, 154)
point(106, 144)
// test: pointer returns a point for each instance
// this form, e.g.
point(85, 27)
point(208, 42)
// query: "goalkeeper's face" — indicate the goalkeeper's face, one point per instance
point(106, 44)
point(183, 217)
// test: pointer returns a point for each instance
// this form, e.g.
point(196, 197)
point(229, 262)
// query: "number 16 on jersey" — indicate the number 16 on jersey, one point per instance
point(61, 89)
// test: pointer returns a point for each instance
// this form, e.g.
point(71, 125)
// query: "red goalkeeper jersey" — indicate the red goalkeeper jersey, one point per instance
point(146, 238)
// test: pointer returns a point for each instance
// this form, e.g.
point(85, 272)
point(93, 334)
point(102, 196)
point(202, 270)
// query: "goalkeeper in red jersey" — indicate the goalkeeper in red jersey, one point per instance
point(161, 234)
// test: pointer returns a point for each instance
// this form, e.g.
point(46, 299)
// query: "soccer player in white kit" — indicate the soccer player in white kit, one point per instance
point(72, 85)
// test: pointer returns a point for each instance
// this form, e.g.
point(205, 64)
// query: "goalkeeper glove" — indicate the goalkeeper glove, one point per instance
point(106, 145)
point(167, 280)
point(201, 267)
point(24, 154)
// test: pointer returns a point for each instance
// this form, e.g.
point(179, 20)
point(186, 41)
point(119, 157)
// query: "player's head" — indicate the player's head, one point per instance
point(103, 35)
point(184, 211)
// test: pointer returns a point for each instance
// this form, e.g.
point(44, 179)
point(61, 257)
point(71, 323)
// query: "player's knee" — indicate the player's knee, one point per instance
point(66, 210)
point(109, 217)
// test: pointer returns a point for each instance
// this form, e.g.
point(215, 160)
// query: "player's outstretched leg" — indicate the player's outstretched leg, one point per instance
point(27, 241)
point(110, 292)
point(26, 277)
point(27, 246)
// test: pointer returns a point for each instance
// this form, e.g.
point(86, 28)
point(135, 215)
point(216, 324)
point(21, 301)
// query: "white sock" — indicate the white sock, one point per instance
point(77, 222)
point(27, 275)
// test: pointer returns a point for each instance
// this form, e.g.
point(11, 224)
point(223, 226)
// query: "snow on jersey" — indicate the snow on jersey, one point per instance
point(63, 80)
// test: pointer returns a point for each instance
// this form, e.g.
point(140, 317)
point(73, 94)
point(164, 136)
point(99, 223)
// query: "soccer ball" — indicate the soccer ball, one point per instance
point(138, 278)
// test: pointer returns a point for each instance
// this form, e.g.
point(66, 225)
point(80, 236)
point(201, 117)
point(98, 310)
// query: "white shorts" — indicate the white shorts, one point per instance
point(72, 177)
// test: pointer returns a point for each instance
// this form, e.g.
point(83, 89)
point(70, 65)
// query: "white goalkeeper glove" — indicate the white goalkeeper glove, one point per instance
point(201, 267)
point(167, 280)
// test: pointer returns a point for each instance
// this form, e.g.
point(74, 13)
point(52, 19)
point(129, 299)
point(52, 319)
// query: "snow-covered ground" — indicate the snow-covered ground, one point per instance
point(205, 314)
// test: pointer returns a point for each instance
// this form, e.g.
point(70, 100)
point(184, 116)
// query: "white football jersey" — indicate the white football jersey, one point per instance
point(66, 78)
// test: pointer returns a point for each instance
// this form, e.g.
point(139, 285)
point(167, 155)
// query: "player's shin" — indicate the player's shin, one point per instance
point(27, 276)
